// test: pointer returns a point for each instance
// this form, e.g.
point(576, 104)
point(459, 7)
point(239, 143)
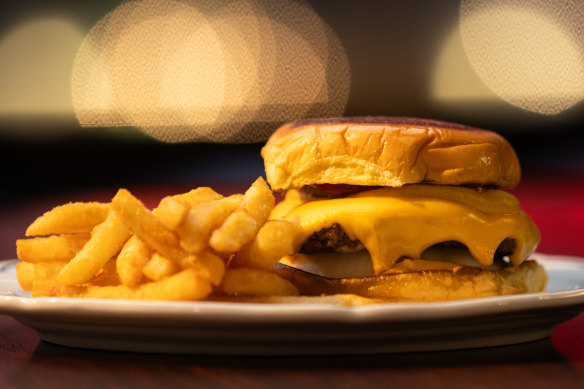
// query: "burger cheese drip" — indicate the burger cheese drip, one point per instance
point(396, 223)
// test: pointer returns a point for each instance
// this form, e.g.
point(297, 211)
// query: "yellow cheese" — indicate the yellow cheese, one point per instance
point(392, 223)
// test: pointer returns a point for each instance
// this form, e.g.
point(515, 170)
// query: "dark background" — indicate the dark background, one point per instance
point(391, 47)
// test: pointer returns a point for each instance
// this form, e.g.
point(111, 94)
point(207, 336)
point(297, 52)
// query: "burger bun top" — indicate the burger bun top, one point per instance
point(387, 151)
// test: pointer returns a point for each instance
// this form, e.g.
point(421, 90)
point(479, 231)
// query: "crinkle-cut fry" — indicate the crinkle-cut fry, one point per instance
point(243, 224)
point(202, 219)
point(159, 267)
point(197, 196)
point(69, 218)
point(171, 212)
point(187, 285)
point(132, 258)
point(274, 240)
point(255, 282)
point(208, 264)
point(106, 241)
point(50, 248)
point(146, 226)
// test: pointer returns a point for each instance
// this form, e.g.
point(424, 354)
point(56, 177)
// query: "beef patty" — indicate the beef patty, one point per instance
point(334, 238)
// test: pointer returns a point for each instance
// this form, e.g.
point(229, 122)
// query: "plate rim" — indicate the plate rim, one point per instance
point(211, 312)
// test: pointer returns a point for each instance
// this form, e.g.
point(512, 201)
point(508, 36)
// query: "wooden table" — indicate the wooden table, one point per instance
point(27, 362)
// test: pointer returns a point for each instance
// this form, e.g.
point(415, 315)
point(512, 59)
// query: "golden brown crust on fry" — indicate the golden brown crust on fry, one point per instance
point(387, 151)
point(69, 218)
point(185, 285)
point(50, 248)
point(134, 253)
point(255, 282)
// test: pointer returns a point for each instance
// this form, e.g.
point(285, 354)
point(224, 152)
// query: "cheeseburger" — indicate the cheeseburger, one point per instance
point(401, 209)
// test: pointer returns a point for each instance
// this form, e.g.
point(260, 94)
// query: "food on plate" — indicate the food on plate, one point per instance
point(107, 239)
point(401, 209)
point(51, 248)
point(69, 218)
point(180, 250)
point(375, 209)
point(272, 242)
point(131, 261)
point(254, 282)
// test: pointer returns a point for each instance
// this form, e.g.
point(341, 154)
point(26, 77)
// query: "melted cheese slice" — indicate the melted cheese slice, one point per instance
point(393, 223)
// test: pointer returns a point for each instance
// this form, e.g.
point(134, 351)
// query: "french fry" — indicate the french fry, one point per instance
point(171, 212)
point(198, 196)
point(237, 230)
point(254, 282)
point(44, 288)
point(190, 245)
point(25, 275)
point(159, 267)
point(259, 200)
point(273, 241)
point(47, 270)
point(108, 274)
point(51, 248)
point(242, 225)
point(185, 285)
point(69, 219)
point(106, 241)
point(43, 275)
point(132, 258)
point(172, 209)
point(208, 264)
point(202, 219)
point(146, 226)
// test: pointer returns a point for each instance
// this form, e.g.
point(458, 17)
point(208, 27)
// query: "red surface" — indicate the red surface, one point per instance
point(554, 203)
point(568, 340)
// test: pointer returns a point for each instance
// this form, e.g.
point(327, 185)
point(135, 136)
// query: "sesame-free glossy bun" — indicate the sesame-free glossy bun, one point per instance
point(387, 151)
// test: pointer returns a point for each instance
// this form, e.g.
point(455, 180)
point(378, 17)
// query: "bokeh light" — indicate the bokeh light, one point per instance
point(196, 70)
point(531, 54)
point(453, 78)
point(36, 60)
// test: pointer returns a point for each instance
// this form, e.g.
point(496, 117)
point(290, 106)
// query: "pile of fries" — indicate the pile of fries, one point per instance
point(192, 246)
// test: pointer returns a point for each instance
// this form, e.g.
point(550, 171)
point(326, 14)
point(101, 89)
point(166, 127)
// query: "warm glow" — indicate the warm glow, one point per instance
point(162, 67)
point(198, 70)
point(453, 79)
point(530, 54)
point(35, 68)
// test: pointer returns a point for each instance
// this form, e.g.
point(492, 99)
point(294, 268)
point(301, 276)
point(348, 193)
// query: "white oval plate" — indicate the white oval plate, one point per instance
point(217, 328)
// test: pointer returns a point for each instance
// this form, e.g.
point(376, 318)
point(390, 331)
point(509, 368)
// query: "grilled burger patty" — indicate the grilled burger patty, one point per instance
point(334, 238)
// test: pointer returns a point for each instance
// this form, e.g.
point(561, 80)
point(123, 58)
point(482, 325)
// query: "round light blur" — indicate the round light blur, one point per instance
point(202, 71)
point(531, 54)
point(35, 67)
